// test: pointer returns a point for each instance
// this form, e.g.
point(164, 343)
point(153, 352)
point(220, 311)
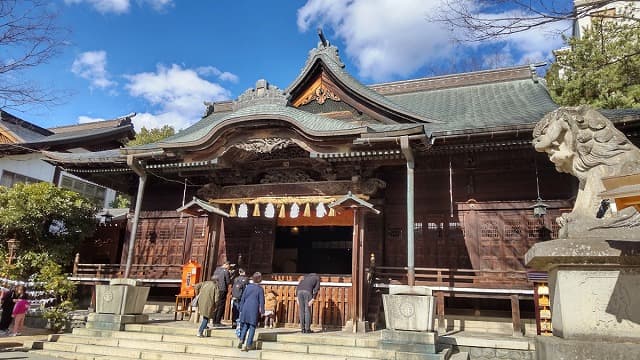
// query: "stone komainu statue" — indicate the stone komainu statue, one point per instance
point(582, 142)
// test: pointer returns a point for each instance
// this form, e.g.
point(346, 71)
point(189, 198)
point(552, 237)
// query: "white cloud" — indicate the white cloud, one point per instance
point(214, 71)
point(122, 6)
point(208, 71)
point(388, 39)
point(82, 119)
point(159, 5)
point(105, 6)
point(154, 121)
point(91, 65)
point(227, 76)
point(176, 92)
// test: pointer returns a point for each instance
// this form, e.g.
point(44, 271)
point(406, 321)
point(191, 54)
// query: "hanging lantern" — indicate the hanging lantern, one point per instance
point(321, 211)
point(283, 212)
point(256, 210)
point(270, 211)
point(539, 208)
point(243, 210)
point(232, 211)
point(295, 211)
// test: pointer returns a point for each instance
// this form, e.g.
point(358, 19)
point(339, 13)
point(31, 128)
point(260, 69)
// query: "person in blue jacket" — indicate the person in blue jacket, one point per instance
point(251, 310)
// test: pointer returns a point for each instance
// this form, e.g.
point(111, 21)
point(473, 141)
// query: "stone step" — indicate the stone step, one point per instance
point(223, 341)
point(279, 355)
point(191, 331)
point(151, 351)
point(463, 355)
point(75, 356)
point(329, 339)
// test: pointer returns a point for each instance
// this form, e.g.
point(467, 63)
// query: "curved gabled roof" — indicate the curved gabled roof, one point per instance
point(327, 57)
point(312, 124)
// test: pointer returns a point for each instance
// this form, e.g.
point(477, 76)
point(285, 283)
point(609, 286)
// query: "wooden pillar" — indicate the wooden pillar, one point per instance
point(360, 304)
point(440, 311)
point(212, 246)
point(515, 315)
point(355, 281)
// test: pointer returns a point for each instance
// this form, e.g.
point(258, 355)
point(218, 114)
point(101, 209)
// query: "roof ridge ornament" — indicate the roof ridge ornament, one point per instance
point(324, 48)
point(263, 94)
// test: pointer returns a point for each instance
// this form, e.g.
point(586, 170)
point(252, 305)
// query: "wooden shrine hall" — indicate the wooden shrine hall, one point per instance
point(427, 181)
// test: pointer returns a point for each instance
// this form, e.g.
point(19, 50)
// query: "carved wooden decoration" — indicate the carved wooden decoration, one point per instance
point(264, 145)
point(317, 91)
point(6, 138)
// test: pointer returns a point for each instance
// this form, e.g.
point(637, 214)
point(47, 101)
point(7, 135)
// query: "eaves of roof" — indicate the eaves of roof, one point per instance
point(71, 139)
point(121, 121)
point(23, 131)
point(311, 124)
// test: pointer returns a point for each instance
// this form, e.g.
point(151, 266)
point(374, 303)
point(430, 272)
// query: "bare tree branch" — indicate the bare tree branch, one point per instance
point(29, 37)
point(486, 20)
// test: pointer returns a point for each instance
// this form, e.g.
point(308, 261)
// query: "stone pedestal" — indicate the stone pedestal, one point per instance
point(117, 304)
point(409, 316)
point(409, 308)
point(594, 285)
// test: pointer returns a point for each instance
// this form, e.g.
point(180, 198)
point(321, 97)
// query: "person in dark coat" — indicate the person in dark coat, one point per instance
point(208, 299)
point(251, 310)
point(239, 283)
point(306, 291)
point(7, 306)
point(224, 279)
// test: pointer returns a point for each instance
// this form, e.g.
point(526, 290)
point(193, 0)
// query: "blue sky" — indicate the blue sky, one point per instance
point(162, 58)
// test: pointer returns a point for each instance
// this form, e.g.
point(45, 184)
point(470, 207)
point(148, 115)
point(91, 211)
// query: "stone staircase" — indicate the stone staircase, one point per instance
point(164, 342)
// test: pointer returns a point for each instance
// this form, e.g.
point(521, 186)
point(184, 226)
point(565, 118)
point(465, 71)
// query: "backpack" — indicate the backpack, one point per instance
point(238, 286)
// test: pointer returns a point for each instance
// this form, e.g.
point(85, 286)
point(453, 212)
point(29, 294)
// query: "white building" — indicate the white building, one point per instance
point(21, 143)
point(618, 10)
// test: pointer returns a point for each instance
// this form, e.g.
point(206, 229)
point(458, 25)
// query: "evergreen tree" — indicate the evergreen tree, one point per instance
point(148, 136)
point(601, 69)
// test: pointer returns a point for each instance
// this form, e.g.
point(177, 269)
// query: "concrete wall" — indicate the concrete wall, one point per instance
point(28, 165)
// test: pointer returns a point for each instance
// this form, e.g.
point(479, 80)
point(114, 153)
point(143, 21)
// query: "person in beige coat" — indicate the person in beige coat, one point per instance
point(208, 297)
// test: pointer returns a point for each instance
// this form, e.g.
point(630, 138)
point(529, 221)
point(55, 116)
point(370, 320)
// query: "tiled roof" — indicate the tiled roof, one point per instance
point(31, 135)
point(23, 130)
point(455, 80)
point(310, 122)
point(93, 125)
point(481, 106)
point(84, 134)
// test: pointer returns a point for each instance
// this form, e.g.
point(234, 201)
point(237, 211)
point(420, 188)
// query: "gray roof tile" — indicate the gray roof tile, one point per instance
point(481, 106)
point(308, 121)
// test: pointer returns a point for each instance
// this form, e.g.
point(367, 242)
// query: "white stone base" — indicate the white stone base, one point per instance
point(409, 312)
point(595, 301)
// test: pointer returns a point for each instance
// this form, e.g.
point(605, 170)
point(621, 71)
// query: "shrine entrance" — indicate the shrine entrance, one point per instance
point(319, 249)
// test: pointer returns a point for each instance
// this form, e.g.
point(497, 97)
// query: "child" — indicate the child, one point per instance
point(19, 312)
point(270, 304)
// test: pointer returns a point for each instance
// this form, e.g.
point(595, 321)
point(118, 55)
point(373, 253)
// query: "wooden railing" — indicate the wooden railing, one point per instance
point(330, 311)
point(511, 285)
point(91, 272)
point(455, 277)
